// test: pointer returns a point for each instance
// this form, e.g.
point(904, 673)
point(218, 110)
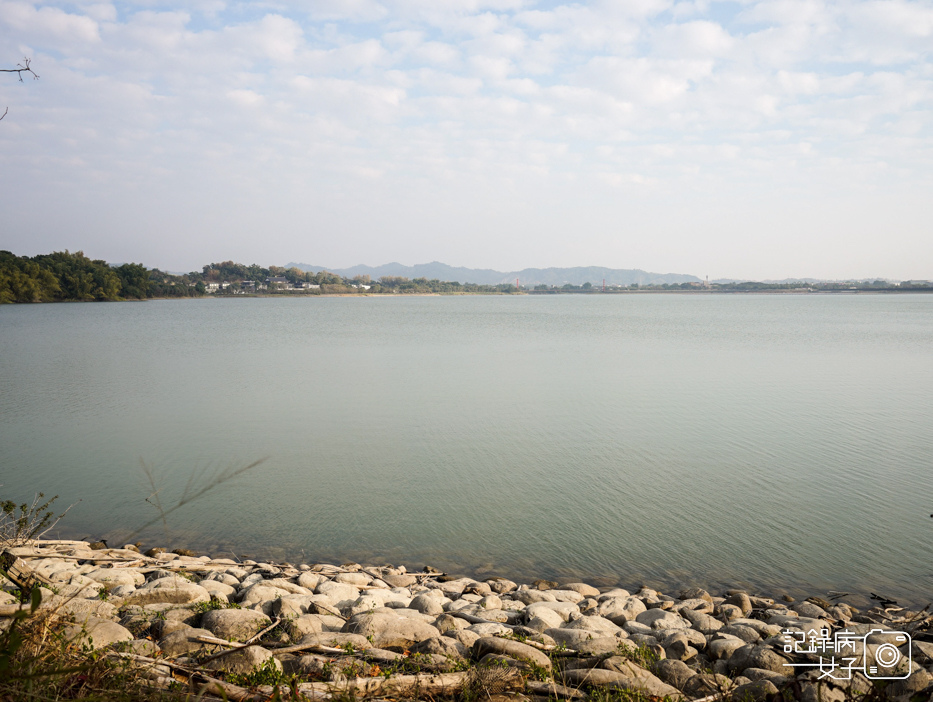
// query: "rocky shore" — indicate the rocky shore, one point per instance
point(238, 629)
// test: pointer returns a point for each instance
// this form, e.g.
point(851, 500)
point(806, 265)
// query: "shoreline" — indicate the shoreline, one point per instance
point(328, 631)
point(629, 576)
point(530, 293)
point(632, 577)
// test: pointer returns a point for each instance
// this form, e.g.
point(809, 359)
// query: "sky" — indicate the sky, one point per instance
point(756, 139)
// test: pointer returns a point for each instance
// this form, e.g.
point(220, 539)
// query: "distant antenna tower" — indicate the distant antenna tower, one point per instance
point(516, 284)
point(604, 285)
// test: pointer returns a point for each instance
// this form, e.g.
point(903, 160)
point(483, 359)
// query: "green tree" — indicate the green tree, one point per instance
point(134, 280)
point(79, 277)
point(23, 280)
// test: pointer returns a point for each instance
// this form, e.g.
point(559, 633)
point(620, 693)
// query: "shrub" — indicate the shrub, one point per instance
point(20, 524)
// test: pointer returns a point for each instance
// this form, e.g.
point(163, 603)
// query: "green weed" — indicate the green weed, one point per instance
point(642, 655)
point(204, 607)
point(265, 674)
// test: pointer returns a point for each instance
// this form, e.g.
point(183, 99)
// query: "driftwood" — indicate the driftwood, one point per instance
point(11, 610)
point(538, 645)
point(191, 567)
point(324, 609)
point(314, 648)
point(479, 620)
point(205, 683)
point(336, 570)
point(16, 570)
point(262, 633)
point(90, 559)
point(717, 697)
point(488, 681)
point(229, 691)
point(43, 543)
point(554, 691)
point(495, 681)
point(372, 574)
point(234, 646)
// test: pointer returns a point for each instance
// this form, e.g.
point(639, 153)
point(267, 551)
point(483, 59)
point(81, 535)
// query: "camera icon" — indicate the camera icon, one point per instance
point(882, 657)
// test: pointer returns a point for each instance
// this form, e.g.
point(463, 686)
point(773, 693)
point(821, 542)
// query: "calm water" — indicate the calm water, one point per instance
point(784, 442)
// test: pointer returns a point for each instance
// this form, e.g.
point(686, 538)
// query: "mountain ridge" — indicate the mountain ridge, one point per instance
point(577, 275)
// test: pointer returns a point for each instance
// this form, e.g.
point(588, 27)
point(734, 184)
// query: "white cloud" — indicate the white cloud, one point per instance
point(351, 100)
point(895, 18)
point(245, 98)
point(799, 83)
point(48, 25)
point(278, 37)
point(101, 12)
point(159, 32)
point(357, 10)
point(348, 58)
point(697, 39)
point(401, 102)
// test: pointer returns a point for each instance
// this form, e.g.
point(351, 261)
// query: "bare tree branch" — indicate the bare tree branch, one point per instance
point(20, 69)
point(190, 494)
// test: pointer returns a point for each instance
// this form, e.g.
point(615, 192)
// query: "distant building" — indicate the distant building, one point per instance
point(277, 280)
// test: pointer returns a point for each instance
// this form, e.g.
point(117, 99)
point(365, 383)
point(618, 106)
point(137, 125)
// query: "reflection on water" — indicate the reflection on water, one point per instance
point(778, 441)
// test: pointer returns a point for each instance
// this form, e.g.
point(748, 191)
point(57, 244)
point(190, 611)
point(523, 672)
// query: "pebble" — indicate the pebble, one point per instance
point(156, 604)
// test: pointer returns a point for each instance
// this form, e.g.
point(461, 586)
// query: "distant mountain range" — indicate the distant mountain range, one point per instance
point(802, 281)
point(526, 277)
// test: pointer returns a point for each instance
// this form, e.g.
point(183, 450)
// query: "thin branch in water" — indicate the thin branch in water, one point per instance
point(196, 473)
point(187, 496)
point(57, 519)
point(153, 498)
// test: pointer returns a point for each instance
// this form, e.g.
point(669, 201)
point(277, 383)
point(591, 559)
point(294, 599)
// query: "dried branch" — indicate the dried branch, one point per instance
point(187, 496)
point(153, 498)
point(20, 69)
point(20, 524)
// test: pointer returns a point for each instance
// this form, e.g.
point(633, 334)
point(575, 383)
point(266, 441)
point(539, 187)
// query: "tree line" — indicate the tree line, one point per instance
point(64, 276)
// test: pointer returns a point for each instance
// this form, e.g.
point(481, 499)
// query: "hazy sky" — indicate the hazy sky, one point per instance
point(761, 138)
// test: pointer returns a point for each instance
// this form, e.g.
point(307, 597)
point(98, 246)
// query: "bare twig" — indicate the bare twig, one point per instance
point(234, 647)
point(314, 647)
point(187, 496)
point(153, 498)
point(427, 685)
point(225, 690)
point(479, 620)
point(22, 524)
point(20, 69)
point(263, 632)
point(57, 519)
point(537, 645)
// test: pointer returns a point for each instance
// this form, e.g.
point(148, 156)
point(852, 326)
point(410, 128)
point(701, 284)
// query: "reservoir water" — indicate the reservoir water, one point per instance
point(783, 442)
